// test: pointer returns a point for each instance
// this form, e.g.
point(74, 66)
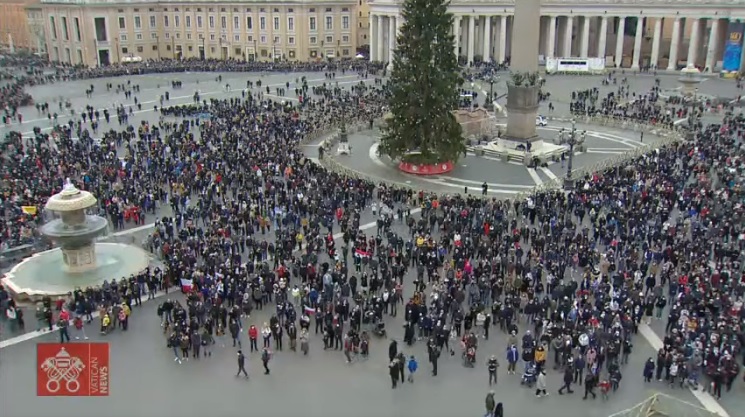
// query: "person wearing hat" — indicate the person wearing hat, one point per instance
point(241, 364)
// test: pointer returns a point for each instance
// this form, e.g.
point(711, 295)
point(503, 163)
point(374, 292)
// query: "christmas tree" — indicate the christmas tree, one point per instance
point(424, 88)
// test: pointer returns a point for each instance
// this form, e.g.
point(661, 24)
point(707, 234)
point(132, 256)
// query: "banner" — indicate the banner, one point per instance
point(733, 48)
point(29, 210)
point(72, 370)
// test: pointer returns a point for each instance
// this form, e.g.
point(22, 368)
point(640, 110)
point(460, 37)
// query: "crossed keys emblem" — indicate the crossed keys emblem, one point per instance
point(63, 367)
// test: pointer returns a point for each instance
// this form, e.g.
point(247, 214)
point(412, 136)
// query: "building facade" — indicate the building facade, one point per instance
point(664, 34)
point(35, 21)
point(99, 32)
point(14, 29)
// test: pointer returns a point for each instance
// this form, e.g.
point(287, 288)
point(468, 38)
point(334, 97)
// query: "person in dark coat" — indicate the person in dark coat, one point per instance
point(392, 350)
point(393, 371)
point(648, 370)
point(241, 364)
point(401, 365)
point(568, 379)
point(499, 410)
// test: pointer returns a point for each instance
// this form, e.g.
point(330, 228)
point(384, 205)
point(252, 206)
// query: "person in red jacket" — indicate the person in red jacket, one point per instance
point(253, 336)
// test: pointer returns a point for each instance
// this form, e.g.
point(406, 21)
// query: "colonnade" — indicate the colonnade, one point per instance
point(625, 41)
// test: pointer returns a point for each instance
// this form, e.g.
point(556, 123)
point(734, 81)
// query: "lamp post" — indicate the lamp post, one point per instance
point(492, 81)
point(157, 45)
point(338, 45)
point(256, 52)
point(204, 51)
point(572, 141)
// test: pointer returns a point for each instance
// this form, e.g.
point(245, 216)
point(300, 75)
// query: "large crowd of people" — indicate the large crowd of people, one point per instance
point(567, 278)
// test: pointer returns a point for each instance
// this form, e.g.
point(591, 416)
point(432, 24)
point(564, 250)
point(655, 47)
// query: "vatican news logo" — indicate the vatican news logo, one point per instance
point(72, 369)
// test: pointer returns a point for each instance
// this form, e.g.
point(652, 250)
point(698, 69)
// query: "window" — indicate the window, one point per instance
point(199, 22)
point(345, 22)
point(123, 37)
point(122, 24)
point(223, 22)
point(345, 39)
point(177, 21)
point(262, 23)
point(53, 28)
point(138, 36)
point(140, 49)
point(65, 32)
point(262, 39)
point(277, 40)
point(224, 37)
point(236, 23)
point(168, 35)
point(138, 23)
point(76, 27)
point(312, 24)
point(165, 21)
point(276, 10)
point(152, 21)
point(329, 39)
point(312, 10)
point(212, 37)
point(291, 24)
point(250, 38)
point(188, 36)
point(154, 36)
point(212, 22)
point(187, 21)
point(276, 23)
point(345, 52)
point(236, 38)
point(329, 23)
point(328, 10)
point(155, 47)
point(125, 50)
point(313, 40)
point(249, 23)
point(291, 40)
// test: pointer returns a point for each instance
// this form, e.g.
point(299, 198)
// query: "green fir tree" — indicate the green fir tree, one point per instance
point(424, 88)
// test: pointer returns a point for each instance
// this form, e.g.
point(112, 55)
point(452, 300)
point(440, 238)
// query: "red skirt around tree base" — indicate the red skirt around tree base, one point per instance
point(426, 169)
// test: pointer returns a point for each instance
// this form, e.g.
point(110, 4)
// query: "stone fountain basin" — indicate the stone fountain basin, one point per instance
point(43, 274)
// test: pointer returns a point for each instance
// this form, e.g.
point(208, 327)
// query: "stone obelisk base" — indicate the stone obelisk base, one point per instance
point(522, 109)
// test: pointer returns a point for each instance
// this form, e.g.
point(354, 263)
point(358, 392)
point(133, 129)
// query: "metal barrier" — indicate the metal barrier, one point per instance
point(660, 405)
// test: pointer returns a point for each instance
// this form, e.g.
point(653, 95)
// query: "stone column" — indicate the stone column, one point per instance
point(672, 65)
point(379, 39)
point(711, 49)
point(693, 44)
point(487, 39)
point(373, 39)
point(638, 43)
point(502, 38)
point(585, 47)
point(551, 48)
point(471, 37)
point(391, 39)
point(655, 58)
point(11, 46)
point(567, 52)
point(456, 34)
point(603, 37)
point(619, 41)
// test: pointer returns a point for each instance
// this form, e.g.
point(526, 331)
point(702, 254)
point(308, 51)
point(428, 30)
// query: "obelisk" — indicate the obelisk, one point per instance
point(522, 99)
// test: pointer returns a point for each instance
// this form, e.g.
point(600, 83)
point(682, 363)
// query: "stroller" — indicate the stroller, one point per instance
point(529, 375)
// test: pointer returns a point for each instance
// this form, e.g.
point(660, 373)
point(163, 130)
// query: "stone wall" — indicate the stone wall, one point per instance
point(474, 123)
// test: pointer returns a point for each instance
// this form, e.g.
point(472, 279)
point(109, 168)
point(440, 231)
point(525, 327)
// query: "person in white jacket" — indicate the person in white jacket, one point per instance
point(540, 385)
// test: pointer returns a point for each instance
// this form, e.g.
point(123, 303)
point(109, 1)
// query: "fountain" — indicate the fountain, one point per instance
point(79, 261)
point(690, 78)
